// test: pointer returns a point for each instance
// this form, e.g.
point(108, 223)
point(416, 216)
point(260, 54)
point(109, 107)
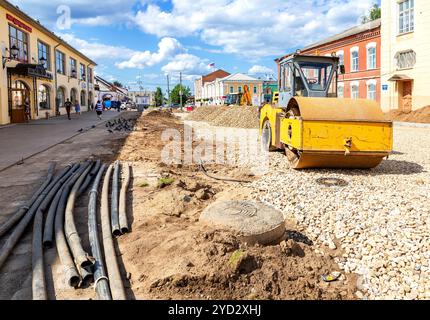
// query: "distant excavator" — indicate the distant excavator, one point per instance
point(239, 98)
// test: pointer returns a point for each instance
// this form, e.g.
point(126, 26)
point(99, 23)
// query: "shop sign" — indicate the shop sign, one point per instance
point(18, 23)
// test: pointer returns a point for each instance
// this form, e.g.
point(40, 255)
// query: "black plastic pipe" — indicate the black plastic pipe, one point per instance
point(81, 258)
point(116, 285)
point(100, 277)
point(48, 230)
point(123, 223)
point(22, 225)
point(38, 279)
point(90, 177)
point(116, 230)
point(71, 274)
point(87, 276)
point(5, 227)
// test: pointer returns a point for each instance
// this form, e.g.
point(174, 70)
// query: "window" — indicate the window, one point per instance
point(405, 59)
point(239, 89)
point(255, 90)
point(43, 97)
point(371, 58)
point(354, 61)
point(406, 16)
point(285, 78)
point(90, 75)
point(73, 95)
point(371, 91)
point(354, 91)
point(60, 60)
point(82, 72)
point(317, 75)
point(83, 98)
point(340, 92)
point(60, 97)
point(341, 59)
point(20, 40)
point(73, 69)
point(231, 89)
point(44, 52)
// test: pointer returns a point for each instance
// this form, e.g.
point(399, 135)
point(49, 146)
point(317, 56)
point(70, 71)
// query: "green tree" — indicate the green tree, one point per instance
point(159, 97)
point(175, 96)
point(374, 13)
point(118, 84)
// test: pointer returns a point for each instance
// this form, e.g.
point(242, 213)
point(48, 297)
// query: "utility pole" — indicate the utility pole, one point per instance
point(168, 91)
point(180, 89)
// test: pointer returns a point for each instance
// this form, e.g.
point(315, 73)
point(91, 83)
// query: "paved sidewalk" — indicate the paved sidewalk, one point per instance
point(21, 141)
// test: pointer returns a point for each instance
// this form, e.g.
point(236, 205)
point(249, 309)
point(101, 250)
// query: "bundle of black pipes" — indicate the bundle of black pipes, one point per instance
point(52, 210)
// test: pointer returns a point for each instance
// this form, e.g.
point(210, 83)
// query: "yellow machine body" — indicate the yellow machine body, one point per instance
point(331, 133)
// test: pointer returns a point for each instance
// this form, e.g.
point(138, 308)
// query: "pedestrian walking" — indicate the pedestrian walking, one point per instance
point(99, 109)
point(27, 111)
point(77, 107)
point(68, 106)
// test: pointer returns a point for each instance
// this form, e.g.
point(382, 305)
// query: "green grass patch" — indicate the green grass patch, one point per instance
point(164, 182)
point(236, 257)
point(143, 184)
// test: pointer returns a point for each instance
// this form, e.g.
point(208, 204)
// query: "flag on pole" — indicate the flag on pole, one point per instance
point(212, 65)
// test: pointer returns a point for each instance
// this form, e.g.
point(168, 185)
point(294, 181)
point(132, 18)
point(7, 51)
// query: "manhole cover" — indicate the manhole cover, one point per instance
point(253, 222)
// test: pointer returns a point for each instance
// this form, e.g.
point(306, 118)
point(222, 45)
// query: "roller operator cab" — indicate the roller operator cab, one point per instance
point(315, 127)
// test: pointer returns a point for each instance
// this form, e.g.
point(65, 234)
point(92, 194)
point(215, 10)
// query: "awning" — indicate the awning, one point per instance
point(400, 77)
point(31, 70)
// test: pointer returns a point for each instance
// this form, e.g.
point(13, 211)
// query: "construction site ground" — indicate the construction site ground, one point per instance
point(170, 254)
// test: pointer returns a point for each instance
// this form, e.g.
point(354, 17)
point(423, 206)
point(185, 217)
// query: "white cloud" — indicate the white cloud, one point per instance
point(167, 48)
point(256, 69)
point(96, 13)
point(253, 28)
point(97, 50)
point(188, 64)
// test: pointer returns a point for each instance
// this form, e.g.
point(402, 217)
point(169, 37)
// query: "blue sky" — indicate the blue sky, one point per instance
point(145, 40)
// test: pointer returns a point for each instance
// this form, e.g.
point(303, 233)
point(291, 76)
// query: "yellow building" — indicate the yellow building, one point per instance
point(39, 70)
point(405, 29)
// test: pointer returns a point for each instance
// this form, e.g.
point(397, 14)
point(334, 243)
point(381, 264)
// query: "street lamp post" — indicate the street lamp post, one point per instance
point(14, 51)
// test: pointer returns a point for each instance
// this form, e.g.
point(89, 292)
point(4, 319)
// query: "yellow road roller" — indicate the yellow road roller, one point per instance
point(315, 127)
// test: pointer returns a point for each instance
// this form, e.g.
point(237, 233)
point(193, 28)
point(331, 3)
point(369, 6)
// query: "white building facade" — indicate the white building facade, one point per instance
point(405, 54)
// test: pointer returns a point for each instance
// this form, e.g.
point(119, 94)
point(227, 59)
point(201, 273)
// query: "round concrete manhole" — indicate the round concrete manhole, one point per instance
point(253, 222)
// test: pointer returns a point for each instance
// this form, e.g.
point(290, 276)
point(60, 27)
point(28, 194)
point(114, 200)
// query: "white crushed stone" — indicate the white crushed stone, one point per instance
point(381, 218)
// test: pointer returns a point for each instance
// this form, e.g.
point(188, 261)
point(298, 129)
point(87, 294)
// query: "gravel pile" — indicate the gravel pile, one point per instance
point(235, 117)
point(378, 218)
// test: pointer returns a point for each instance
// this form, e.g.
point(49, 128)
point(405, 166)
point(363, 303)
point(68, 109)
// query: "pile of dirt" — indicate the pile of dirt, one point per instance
point(214, 264)
point(419, 116)
point(171, 254)
point(231, 116)
point(160, 113)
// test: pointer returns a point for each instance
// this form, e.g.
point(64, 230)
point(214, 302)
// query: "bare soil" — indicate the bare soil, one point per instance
point(169, 253)
point(227, 116)
point(418, 116)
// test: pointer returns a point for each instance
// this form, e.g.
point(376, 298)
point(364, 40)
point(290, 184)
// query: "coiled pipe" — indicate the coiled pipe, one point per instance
point(116, 285)
point(116, 230)
point(90, 177)
point(22, 225)
point(38, 279)
point(48, 230)
point(72, 276)
point(5, 227)
point(100, 277)
point(82, 259)
point(123, 223)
